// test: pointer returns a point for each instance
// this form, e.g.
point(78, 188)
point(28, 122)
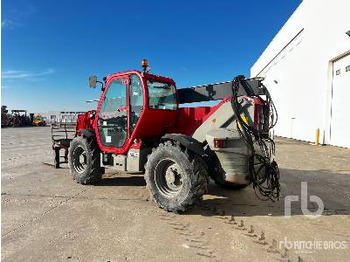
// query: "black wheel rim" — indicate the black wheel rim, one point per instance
point(168, 177)
point(79, 159)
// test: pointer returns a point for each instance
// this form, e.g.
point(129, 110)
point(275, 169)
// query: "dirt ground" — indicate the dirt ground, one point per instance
point(46, 216)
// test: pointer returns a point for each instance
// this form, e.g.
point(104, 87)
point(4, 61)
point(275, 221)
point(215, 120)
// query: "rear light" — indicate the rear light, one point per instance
point(219, 143)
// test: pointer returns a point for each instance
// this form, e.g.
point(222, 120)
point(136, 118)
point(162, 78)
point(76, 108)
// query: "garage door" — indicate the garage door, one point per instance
point(340, 123)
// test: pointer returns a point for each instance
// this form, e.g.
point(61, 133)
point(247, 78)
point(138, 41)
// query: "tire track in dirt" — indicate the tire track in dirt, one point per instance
point(250, 232)
point(192, 238)
point(199, 241)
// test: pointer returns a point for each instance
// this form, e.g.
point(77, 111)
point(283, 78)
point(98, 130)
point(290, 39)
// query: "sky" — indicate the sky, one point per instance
point(50, 48)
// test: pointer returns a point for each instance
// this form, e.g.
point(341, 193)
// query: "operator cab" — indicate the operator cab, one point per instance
point(132, 101)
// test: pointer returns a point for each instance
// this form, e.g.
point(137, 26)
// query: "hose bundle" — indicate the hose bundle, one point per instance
point(263, 170)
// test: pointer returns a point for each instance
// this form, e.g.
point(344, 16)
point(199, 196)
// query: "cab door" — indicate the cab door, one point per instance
point(112, 122)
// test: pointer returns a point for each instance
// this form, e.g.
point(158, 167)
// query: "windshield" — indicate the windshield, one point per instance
point(161, 95)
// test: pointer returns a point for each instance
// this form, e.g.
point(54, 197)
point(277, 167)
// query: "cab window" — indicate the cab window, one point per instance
point(161, 95)
point(115, 96)
point(136, 100)
point(112, 119)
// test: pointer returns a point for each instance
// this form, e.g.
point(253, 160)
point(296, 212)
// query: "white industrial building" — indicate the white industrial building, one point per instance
point(307, 70)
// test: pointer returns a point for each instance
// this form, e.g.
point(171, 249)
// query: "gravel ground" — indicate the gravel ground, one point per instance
point(46, 216)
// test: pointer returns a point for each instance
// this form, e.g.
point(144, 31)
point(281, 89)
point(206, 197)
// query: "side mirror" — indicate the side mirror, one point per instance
point(92, 81)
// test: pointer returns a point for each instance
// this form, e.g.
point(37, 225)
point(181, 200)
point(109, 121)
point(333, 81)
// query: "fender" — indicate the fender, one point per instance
point(88, 133)
point(187, 141)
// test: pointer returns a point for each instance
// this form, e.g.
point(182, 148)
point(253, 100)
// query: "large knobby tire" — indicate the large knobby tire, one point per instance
point(84, 161)
point(176, 178)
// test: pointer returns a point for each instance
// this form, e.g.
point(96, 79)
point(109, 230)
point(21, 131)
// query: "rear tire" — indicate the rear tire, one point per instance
point(176, 179)
point(84, 161)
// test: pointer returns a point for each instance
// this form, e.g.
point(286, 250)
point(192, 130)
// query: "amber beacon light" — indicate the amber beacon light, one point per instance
point(144, 64)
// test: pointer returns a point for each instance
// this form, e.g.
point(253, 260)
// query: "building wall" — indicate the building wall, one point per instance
point(297, 66)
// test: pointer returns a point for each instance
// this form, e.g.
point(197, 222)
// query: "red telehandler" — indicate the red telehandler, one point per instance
point(139, 126)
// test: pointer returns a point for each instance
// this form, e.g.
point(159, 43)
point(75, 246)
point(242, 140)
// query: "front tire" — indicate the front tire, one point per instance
point(84, 161)
point(176, 179)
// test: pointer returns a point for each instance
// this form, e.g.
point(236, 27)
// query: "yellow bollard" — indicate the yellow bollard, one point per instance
point(317, 142)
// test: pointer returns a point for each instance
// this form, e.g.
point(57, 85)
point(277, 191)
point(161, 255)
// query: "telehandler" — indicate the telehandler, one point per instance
point(142, 125)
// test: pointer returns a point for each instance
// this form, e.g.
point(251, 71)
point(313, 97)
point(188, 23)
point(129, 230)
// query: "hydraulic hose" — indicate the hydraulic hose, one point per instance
point(262, 169)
